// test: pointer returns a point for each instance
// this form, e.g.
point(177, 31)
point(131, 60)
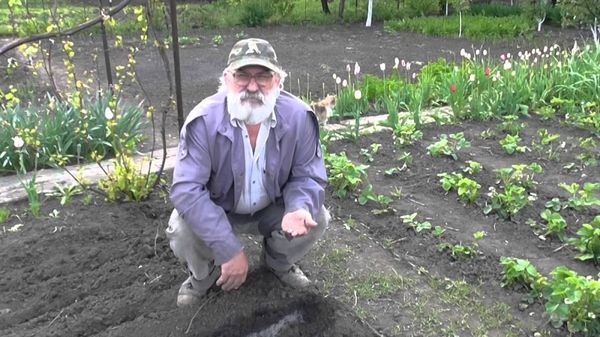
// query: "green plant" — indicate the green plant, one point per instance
point(4, 215)
point(554, 205)
point(406, 134)
point(519, 271)
point(573, 299)
point(555, 224)
point(458, 251)
point(582, 198)
point(510, 144)
point(217, 40)
point(126, 182)
point(418, 227)
point(367, 194)
point(473, 167)
point(344, 175)
point(545, 144)
point(33, 196)
point(449, 145)
point(519, 174)
point(467, 189)
point(588, 157)
point(509, 202)
point(438, 231)
point(422, 7)
point(66, 192)
point(256, 12)
point(588, 241)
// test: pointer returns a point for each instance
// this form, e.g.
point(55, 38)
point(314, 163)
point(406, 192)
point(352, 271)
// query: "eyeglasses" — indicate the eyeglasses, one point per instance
point(243, 78)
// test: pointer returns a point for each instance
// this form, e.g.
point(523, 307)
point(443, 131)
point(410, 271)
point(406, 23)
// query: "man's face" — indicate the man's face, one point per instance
point(252, 92)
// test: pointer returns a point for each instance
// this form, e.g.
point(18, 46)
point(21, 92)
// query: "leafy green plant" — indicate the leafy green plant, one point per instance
point(344, 175)
point(582, 198)
point(588, 241)
point(473, 167)
point(467, 189)
point(573, 299)
point(438, 231)
point(555, 224)
point(510, 144)
point(406, 134)
point(458, 251)
point(4, 215)
point(256, 12)
point(449, 145)
point(126, 182)
point(588, 157)
point(520, 174)
point(554, 204)
point(545, 144)
point(217, 40)
point(510, 124)
point(367, 194)
point(509, 202)
point(520, 271)
point(418, 227)
point(66, 192)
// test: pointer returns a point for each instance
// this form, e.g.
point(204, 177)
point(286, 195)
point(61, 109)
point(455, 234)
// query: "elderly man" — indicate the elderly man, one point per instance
point(249, 161)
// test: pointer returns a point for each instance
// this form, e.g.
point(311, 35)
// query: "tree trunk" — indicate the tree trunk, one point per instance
point(325, 6)
point(341, 10)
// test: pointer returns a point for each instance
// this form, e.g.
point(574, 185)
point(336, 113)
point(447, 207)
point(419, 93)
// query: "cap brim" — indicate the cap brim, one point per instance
point(253, 61)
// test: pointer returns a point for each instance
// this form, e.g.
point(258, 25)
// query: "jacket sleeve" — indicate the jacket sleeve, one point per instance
point(305, 188)
point(191, 198)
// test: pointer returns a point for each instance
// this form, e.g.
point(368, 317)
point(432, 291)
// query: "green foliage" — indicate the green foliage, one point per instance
point(467, 189)
point(474, 27)
point(458, 251)
point(555, 224)
point(519, 271)
point(4, 214)
point(588, 241)
point(520, 174)
point(421, 7)
point(344, 176)
point(367, 194)
point(511, 125)
point(582, 198)
point(59, 132)
point(127, 182)
point(256, 12)
point(573, 299)
point(473, 168)
point(509, 202)
point(579, 12)
point(449, 145)
point(495, 10)
point(510, 144)
point(418, 227)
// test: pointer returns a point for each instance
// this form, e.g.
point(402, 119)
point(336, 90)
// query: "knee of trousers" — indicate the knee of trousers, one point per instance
point(183, 241)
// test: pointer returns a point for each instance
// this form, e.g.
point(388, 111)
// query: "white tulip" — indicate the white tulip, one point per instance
point(108, 113)
point(18, 142)
point(358, 94)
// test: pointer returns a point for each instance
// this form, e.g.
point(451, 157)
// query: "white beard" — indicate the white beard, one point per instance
point(248, 113)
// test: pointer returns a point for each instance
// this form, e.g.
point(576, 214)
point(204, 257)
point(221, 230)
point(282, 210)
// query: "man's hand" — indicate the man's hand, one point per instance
point(233, 272)
point(297, 223)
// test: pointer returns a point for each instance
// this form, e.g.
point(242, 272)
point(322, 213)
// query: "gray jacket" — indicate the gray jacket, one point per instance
point(209, 172)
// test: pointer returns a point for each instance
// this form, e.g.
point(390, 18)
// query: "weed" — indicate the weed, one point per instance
point(4, 215)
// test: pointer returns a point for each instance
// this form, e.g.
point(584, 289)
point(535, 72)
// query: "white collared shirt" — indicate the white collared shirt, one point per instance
point(254, 196)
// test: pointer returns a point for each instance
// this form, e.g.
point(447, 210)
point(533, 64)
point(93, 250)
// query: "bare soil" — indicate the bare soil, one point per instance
point(106, 269)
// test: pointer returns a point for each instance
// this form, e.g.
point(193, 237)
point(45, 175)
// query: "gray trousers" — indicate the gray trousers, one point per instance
point(281, 251)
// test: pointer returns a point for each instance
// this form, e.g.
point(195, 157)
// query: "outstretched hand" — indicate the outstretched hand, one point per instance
point(298, 223)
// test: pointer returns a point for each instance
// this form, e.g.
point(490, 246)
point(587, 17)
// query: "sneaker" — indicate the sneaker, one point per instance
point(294, 277)
point(192, 290)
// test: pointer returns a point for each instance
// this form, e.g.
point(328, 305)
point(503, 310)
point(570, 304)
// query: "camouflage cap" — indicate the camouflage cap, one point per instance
point(253, 52)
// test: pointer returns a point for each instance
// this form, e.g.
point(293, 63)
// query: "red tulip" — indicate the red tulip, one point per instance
point(488, 71)
point(453, 88)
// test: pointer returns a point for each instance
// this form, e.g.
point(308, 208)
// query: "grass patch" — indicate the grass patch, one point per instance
point(474, 27)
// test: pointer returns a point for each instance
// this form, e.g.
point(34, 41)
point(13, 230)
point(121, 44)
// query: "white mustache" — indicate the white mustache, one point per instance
point(253, 95)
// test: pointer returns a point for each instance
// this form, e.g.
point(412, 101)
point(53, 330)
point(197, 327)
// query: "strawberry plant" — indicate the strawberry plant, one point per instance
point(582, 198)
point(519, 271)
point(510, 125)
point(588, 241)
point(588, 157)
point(510, 144)
point(467, 189)
point(509, 202)
point(545, 146)
point(367, 194)
point(449, 145)
point(344, 175)
point(473, 168)
point(555, 224)
point(519, 174)
point(574, 299)
point(406, 134)
point(409, 219)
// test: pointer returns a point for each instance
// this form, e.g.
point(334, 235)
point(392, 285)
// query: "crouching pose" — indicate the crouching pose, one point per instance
point(249, 161)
